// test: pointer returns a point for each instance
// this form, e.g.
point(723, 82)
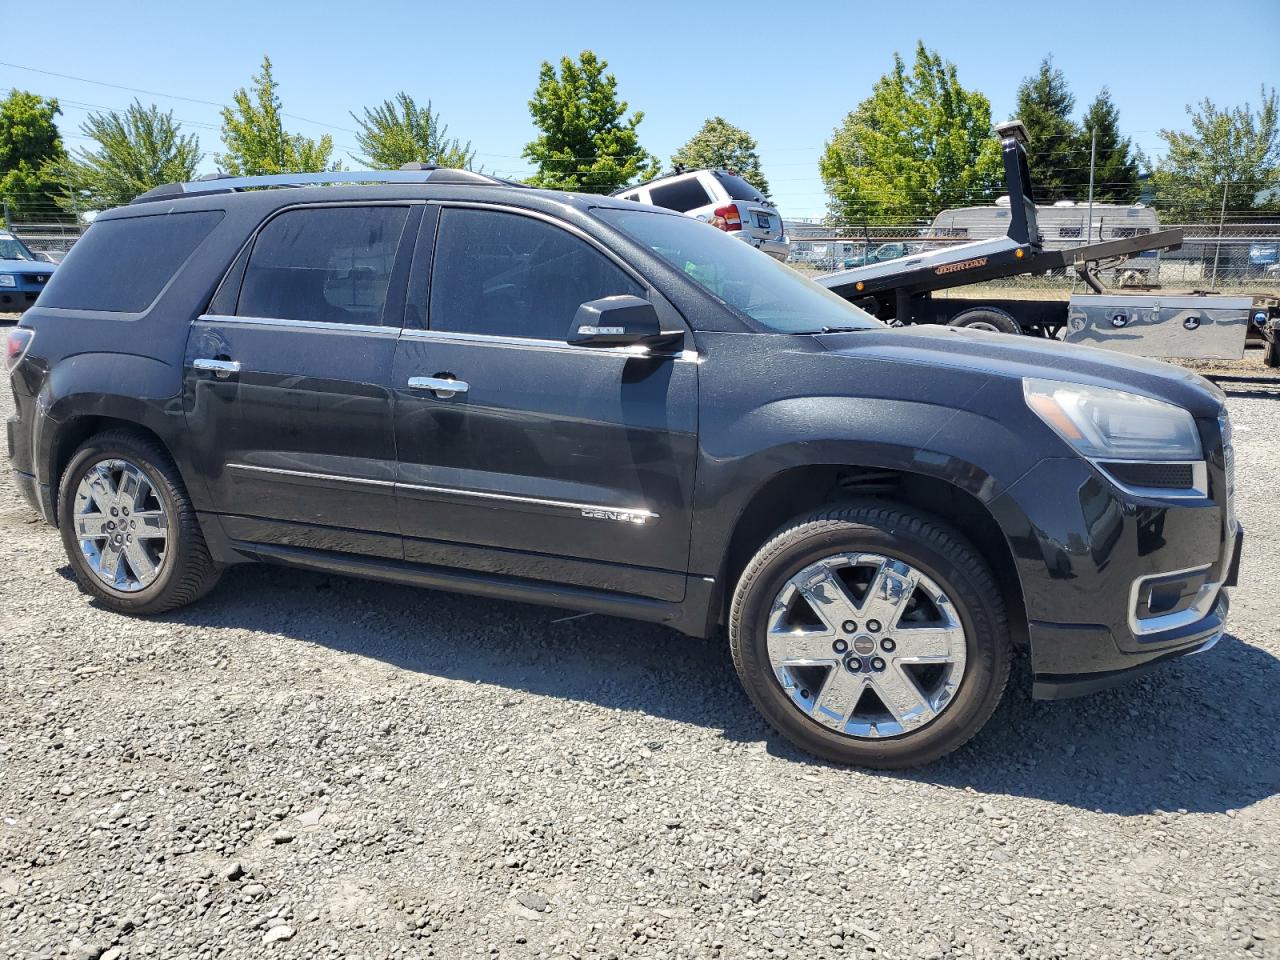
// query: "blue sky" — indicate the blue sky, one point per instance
point(787, 73)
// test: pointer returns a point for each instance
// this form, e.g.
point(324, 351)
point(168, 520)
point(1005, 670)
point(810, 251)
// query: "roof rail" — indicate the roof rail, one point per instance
point(410, 173)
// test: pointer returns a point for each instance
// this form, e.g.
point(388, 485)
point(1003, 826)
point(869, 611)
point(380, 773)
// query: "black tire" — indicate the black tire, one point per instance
point(986, 318)
point(925, 543)
point(1271, 356)
point(186, 572)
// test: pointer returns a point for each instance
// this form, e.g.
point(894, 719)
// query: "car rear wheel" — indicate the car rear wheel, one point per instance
point(991, 319)
point(871, 634)
point(128, 526)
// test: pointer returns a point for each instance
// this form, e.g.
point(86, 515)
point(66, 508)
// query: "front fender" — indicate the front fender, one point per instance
point(975, 452)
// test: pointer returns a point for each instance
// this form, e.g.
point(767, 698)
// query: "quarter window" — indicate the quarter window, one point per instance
point(120, 265)
point(328, 264)
point(682, 195)
point(508, 275)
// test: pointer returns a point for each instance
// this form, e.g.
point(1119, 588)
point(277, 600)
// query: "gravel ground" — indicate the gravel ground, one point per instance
point(307, 766)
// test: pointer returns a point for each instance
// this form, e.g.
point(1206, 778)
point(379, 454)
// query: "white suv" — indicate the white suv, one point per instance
point(720, 197)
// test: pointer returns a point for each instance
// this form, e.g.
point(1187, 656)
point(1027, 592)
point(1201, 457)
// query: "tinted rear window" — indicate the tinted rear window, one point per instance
point(681, 196)
point(120, 266)
point(738, 188)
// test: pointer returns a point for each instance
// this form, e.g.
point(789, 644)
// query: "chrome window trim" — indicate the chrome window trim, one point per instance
point(1198, 610)
point(328, 326)
point(633, 514)
point(687, 356)
point(1198, 490)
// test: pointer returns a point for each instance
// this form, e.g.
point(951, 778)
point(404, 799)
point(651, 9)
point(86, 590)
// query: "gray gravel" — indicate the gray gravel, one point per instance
point(306, 766)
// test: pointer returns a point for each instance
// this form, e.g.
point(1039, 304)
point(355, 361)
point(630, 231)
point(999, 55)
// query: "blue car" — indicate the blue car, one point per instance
point(22, 274)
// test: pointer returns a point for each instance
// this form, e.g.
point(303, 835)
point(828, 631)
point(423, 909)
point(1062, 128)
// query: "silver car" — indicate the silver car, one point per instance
point(721, 198)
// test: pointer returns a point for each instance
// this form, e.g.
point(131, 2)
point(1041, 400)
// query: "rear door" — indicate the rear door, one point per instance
point(288, 395)
point(543, 461)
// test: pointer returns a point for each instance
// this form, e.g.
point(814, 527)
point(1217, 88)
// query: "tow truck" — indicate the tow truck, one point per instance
point(1195, 325)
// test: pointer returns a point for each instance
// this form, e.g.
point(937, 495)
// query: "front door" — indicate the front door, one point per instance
point(288, 393)
point(520, 455)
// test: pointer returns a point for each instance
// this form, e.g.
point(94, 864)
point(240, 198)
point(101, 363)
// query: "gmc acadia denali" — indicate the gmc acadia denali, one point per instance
point(441, 379)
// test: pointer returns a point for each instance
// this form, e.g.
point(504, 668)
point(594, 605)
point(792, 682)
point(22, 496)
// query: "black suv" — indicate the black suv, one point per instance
point(448, 381)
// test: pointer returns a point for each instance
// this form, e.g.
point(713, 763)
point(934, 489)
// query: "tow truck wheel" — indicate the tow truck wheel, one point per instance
point(992, 319)
point(871, 633)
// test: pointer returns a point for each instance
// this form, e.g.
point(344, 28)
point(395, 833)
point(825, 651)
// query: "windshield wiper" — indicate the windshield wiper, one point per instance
point(842, 329)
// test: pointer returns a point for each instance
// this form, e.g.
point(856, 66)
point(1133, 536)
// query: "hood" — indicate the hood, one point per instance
point(1013, 357)
point(27, 267)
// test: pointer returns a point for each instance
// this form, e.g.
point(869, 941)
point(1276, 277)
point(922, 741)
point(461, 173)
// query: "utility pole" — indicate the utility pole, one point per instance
point(1093, 159)
point(1222, 218)
point(7, 222)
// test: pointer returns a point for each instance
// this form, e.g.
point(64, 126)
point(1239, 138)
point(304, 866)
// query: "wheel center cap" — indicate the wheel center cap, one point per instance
point(864, 645)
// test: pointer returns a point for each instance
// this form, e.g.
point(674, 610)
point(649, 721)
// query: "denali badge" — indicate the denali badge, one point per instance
point(586, 330)
point(599, 513)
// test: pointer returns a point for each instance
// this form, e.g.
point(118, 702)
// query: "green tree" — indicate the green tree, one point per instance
point(721, 144)
point(135, 151)
point(587, 142)
point(399, 132)
point(256, 141)
point(1233, 148)
point(1115, 175)
point(29, 142)
point(919, 144)
point(1044, 106)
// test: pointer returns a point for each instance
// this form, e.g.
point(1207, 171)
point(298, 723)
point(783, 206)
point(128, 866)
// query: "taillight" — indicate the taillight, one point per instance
point(732, 219)
point(16, 345)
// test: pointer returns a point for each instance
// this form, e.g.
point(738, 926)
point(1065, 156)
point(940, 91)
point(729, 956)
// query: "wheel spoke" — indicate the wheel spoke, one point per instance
point(828, 598)
point(143, 567)
point(928, 644)
point(109, 562)
point(91, 526)
point(151, 524)
point(902, 698)
point(102, 487)
point(889, 593)
point(839, 695)
point(130, 490)
point(801, 648)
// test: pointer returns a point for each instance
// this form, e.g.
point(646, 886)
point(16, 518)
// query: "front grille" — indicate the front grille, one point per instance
point(1155, 476)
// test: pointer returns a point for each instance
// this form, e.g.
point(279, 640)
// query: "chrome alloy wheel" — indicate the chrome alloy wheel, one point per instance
point(866, 645)
point(121, 525)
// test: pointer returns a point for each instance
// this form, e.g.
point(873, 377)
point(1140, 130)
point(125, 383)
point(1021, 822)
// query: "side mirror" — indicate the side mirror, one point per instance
point(622, 321)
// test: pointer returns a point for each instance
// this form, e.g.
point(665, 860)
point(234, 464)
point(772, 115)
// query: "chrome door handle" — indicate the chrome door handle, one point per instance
point(219, 368)
point(442, 387)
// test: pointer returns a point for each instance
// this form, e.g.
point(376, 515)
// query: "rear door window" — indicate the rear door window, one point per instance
point(507, 275)
point(682, 195)
point(120, 266)
point(324, 264)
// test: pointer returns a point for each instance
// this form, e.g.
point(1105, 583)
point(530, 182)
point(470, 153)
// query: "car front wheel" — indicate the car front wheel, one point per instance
point(871, 634)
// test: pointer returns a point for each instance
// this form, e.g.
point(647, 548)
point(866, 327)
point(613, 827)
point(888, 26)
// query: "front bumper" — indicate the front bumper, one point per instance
point(1071, 660)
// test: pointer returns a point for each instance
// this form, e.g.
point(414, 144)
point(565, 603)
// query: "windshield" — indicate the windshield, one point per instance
point(767, 291)
point(11, 248)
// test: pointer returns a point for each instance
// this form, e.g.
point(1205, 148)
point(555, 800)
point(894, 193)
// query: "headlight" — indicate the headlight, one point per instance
point(1114, 425)
point(8, 280)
